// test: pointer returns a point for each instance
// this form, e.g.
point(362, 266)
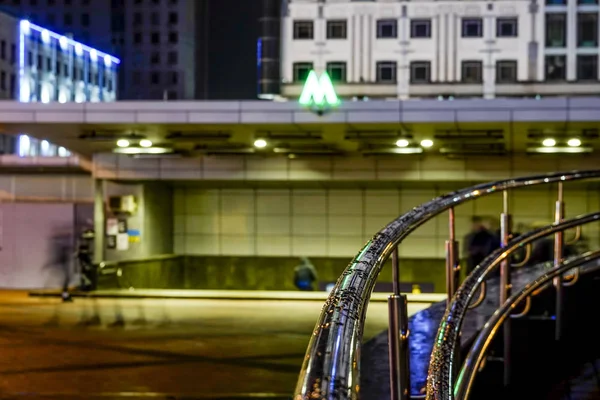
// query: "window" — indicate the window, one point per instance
point(472, 71)
point(387, 29)
point(33, 2)
point(303, 30)
point(386, 71)
point(3, 49)
point(420, 28)
point(68, 19)
point(420, 72)
point(556, 30)
point(587, 67)
point(174, 77)
point(301, 71)
point(337, 71)
point(51, 2)
point(136, 77)
point(51, 19)
point(472, 27)
point(556, 2)
point(3, 80)
point(155, 38)
point(49, 64)
point(172, 95)
point(155, 78)
point(155, 58)
point(13, 87)
point(137, 38)
point(85, 19)
point(137, 18)
point(173, 18)
point(155, 18)
point(172, 58)
point(13, 53)
point(507, 27)
point(506, 71)
point(587, 1)
point(336, 29)
point(173, 37)
point(556, 69)
point(587, 30)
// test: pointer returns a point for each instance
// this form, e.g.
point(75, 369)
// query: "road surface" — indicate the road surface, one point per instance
point(179, 349)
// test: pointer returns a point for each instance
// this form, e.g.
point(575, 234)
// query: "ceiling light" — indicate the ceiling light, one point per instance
point(426, 143)
point(260, 143)
point(123, 143)
point(549, 142)
point(145, 143)
point(143, 150)
point(402, 143)
point(574, 142)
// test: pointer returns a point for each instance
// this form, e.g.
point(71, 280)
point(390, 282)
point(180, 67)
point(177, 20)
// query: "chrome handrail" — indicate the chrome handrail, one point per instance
point(331, 366)
point(440, 378)
point(467, 374)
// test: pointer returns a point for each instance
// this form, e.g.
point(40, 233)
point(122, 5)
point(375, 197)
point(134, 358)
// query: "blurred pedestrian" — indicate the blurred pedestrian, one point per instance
point(305, 275)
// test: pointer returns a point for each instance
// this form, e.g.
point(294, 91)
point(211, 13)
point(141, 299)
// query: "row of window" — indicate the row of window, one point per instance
point(70, 2)
point(564, 2)
point(471, 70)
point(41, 2)
point(419, 28)
point(156, 78)
point(173, 37)
point(138, 18)
point(556, 29)
point(78, 73)
point(8, 82)
point(587, 30)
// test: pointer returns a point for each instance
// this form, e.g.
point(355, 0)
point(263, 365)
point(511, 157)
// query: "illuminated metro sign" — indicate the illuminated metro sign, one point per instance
point(319, 93)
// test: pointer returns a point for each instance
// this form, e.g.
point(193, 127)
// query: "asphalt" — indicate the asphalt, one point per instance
point(140, 348)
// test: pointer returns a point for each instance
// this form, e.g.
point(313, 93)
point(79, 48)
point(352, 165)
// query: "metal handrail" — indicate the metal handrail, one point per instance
point(469, 370)
point(441, 367)
point(331, 367)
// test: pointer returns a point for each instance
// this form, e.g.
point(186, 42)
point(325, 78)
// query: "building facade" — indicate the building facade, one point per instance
point(154, 38)
point(40, 65)
point(425, 48)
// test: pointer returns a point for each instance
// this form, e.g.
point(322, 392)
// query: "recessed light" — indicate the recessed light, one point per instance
point(145, 143)
point(574, 142)
point(549, 142)
point(426, 143)
point(260, 143)
point(402, 143)
point(123, 143)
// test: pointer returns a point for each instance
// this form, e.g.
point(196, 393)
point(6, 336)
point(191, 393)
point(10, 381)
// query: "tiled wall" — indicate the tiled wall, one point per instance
point(335, 223)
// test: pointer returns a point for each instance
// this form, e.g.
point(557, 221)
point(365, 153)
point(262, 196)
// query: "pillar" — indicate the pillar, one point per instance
point(99, 221)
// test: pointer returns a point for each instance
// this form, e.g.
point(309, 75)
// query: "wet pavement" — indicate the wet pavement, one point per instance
point(176, 349)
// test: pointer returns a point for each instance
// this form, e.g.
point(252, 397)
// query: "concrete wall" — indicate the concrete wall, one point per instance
point(336, 223)
point(254, 273)
point(153, 219)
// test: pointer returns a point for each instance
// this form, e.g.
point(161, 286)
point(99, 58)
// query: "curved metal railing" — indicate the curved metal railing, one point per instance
point(441, 377)
point(331, 369)
point(468, 372)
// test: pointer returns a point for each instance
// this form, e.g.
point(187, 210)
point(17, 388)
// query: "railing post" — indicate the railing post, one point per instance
point(505, 282)
point(398, 337)
point(559, 214)
point(452, 261)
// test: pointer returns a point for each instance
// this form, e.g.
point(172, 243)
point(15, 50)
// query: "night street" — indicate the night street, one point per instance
point(179, 348)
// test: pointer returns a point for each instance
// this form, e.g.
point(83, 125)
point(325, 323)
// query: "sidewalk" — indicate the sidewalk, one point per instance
point(228, 295)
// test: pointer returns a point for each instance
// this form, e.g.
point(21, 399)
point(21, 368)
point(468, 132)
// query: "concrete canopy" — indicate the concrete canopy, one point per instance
point(458, 127)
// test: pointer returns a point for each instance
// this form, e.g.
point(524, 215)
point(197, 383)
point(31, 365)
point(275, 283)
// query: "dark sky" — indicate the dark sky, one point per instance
point(234, 30)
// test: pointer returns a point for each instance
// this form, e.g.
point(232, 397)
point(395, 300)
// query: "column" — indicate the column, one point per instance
point(99, 221)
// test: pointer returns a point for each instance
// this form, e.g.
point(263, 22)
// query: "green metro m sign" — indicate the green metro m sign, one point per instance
point(318, 93)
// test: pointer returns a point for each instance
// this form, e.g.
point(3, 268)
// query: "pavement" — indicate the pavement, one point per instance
point(163, 348)
point(270, 295)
